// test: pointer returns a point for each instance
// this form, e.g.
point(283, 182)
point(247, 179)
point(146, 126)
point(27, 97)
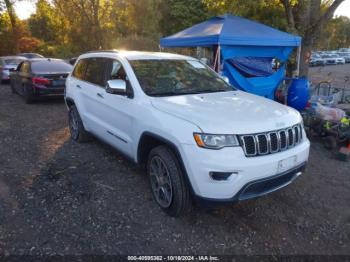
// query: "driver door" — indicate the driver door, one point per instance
point(118, 111)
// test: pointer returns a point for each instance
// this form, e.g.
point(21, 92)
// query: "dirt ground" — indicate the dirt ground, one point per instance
point(60, 197)
point(334, 73)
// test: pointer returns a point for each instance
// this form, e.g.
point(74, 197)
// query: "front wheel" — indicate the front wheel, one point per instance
point(76, 127)
point(168, 184)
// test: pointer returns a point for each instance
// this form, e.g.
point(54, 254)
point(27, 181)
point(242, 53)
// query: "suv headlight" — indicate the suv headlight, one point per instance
point(215, 141)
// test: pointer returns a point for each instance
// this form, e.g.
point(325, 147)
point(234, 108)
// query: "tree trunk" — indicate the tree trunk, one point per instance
point(306, 48)
point(11, 13)
point(305, 17)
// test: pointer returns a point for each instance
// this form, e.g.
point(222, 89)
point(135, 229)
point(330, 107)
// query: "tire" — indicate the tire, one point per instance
point(179, 201)
point(28, 97)
point(76, 127)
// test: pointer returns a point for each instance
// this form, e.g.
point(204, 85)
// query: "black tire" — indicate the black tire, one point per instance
point(28, 96)
point(76, 127)
point(330, 142)
point(181, 198)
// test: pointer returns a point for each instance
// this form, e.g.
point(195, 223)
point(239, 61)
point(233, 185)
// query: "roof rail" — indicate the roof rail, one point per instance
point(103, 51)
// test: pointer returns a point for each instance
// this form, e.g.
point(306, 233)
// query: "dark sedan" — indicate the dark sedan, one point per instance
point(42, 77)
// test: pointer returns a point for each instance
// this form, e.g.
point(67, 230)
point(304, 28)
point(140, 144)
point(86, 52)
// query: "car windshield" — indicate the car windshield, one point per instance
point(46, 66)
point(177, 77)
point(31, 55)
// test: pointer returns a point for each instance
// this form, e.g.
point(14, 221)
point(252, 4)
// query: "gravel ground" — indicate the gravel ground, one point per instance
point(335, 73)
point(60, 197)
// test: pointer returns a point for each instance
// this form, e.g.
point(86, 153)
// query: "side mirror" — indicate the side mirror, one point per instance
point(117, 87)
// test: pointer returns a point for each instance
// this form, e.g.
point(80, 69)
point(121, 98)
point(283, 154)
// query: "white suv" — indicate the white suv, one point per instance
point(197, 137)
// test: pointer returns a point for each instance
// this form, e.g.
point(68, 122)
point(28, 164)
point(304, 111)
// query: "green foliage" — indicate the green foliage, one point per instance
point(335, 35)
point(180, 14)
point(42, 24)
point(65, 28)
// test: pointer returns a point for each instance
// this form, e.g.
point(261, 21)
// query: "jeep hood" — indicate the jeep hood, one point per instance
point(233, 112)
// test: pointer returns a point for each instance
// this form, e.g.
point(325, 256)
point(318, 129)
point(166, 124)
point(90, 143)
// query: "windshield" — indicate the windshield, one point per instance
point(31, 55)
point(177, 77)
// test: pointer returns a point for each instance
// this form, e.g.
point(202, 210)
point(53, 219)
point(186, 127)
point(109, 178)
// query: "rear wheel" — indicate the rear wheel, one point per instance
point(28, 96)
point(76, 127)
point(169, 187)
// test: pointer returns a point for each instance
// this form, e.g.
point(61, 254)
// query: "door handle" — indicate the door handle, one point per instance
point(99, 95)
point(78, 86)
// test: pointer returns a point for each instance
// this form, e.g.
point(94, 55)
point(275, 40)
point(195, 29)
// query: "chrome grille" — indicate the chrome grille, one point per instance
point(271, 142)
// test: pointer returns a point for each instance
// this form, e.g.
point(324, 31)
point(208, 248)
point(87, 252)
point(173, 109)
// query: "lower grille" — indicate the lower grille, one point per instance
point(271, 142)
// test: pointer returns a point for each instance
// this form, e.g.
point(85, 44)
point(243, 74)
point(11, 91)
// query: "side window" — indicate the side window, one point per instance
point(116, 71)
point(95, 71)
point(25, 67)
point(79, 69)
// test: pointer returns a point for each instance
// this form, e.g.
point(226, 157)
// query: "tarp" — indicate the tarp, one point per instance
point(241, 38)
point(259, 85)
point(230, 30)
point(253, 66)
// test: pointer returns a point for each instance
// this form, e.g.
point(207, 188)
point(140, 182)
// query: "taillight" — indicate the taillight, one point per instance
point(40, 81)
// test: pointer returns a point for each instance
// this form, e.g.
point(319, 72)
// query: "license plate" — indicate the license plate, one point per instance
point(58, 82)
point(285, 164)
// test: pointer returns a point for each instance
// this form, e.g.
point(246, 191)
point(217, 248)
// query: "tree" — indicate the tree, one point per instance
point(308, 18)
point(42, 24)
point(180, 14)
point(8, 6)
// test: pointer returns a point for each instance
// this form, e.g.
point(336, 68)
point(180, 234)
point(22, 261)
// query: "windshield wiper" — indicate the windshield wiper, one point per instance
point(164, 94)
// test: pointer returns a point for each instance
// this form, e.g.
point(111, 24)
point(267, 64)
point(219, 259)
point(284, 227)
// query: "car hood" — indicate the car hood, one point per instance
point(233, 112)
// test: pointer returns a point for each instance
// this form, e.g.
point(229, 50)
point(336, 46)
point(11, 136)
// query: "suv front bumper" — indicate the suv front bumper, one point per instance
point(251, 176)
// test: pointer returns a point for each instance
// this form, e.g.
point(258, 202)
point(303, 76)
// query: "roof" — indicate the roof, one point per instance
point(230, 30)
point(139, 55)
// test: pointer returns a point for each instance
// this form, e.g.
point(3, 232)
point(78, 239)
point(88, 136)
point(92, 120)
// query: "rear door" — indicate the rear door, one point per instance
point(90, 91)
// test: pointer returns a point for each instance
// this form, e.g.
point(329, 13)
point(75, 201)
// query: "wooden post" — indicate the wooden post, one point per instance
point(298, 60)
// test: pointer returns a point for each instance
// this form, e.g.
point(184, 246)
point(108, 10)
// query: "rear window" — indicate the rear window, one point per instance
point(13, 61)
point(51, 67)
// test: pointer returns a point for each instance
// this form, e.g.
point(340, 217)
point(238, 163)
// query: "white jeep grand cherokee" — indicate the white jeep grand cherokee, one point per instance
point(197, 137)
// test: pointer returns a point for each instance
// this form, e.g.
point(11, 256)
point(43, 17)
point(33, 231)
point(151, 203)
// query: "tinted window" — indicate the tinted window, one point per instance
point(51, 66)
point(13, 61)
point(79, 70)
point(31, 55)
point(95, 71)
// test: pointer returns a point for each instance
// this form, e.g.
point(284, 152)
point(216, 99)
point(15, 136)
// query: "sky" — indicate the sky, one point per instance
point(25, 8)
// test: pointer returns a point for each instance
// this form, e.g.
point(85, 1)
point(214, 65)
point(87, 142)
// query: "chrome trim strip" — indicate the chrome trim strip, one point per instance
point(296, 132)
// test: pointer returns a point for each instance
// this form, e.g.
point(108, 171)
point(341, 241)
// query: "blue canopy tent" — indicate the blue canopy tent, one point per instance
point(246, 48)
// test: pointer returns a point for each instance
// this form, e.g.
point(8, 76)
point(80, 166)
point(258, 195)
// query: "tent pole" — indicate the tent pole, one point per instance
point(219, 62)
point(298, 60)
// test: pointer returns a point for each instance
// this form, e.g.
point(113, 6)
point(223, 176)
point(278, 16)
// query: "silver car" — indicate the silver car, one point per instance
point(7, 63)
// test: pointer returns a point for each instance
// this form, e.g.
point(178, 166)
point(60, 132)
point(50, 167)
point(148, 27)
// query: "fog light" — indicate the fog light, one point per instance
point(220, 176)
